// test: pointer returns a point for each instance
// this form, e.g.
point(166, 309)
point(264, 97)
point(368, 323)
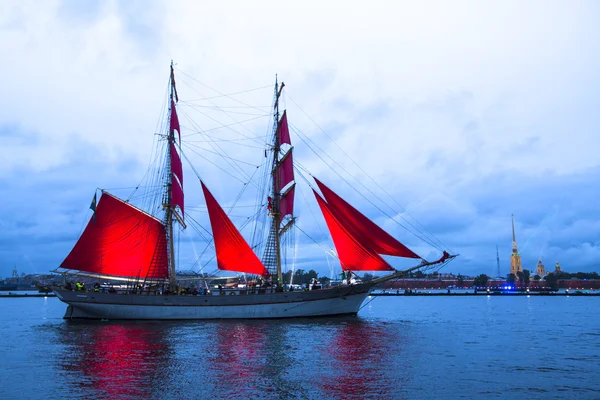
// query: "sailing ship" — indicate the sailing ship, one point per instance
point(126, 244)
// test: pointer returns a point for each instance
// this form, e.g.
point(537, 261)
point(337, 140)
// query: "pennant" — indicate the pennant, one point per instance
point(93, 207)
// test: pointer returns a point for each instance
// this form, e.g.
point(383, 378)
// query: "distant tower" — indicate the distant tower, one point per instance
point(515, 258)
point(557, 268)
point(15, 274)
point(539, 269)
point(497, 262)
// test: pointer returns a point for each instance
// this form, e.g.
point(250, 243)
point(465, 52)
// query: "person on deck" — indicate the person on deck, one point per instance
point(349, 277)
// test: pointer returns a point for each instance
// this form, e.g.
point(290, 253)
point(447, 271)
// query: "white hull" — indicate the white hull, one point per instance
point(342, 300)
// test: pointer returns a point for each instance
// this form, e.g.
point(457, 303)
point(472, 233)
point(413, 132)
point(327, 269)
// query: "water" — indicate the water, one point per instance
point(398, 347)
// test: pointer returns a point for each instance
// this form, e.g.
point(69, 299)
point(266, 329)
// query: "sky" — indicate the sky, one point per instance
point(463, 112)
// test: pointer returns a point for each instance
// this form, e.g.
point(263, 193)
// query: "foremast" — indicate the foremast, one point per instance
point(170, 212)
point(281, 176)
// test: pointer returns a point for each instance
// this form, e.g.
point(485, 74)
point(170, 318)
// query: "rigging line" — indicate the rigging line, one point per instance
point(216, 105)
point(225, 126)
point(301, 136)
point(434, 238)
point(323, 232)
point(251, 180)
point(198, 144)
point(248, 178)
point(210, 162)
point(430, 241)
point(186, 103)
point(221, 155)
point(204, 208)
point(326, 250)
point(217, 138)
point(223, 94)
point(234, 166)
point(129, 187)
point(216, 147)
point(299, 166)
point(227, 142)
point(159, 123)
point(229, 126)
point(220, 109)
point(195, 224)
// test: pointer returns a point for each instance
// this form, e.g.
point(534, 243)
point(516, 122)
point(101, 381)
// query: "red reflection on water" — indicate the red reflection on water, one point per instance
point(239, 354)
point(359, 361)
point(118, 360)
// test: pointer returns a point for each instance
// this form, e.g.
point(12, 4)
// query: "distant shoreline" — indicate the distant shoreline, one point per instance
point(485, 293)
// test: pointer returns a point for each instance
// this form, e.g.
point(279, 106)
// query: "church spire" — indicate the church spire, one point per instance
point(514, 242)
point(515, 258)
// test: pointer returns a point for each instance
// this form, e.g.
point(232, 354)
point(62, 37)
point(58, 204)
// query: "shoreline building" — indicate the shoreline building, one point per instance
point(515, 258)
point(540, 270)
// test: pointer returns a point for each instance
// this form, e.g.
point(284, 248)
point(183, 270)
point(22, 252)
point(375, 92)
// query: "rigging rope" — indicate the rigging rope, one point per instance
point(432, 239)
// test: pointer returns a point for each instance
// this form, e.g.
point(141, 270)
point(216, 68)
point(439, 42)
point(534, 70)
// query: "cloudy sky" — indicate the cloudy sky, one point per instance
point(463, 112)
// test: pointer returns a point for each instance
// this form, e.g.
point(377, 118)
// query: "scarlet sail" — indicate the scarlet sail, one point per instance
point(233, 253)
point(177, 195)
point(176, 166)
point(285, 171)
point(286, 204)
point(174, 121)
point(352, 254)
point(283, 132)
point(121, 241)
point(362, 227)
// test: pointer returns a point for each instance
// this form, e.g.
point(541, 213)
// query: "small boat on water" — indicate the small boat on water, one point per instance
point(136, 246)
point(44, 288)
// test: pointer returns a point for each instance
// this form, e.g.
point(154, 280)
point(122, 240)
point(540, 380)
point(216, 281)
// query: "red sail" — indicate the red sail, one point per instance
point(363, 228)
point(285, 171)
point(233, 253)
point(176, 166)
point(286, 203)
point(352, 254)
point(283, 132)
point(122, 241)
point(177, 195)
point(174, 121)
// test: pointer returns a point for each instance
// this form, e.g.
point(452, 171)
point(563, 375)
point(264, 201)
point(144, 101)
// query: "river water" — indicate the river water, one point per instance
point(409, 347)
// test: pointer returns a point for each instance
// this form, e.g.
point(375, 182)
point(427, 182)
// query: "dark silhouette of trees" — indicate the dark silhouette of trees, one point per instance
point(526, 277)
point(510, 279)
point(480, 280)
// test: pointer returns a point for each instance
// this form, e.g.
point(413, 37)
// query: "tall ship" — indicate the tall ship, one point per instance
point(134, 246)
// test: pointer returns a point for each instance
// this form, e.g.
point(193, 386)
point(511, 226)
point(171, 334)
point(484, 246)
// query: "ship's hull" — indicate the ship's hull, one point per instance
point(341, 300)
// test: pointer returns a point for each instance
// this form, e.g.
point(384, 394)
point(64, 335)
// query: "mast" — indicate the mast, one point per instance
point(275, 209)
point(169, 211)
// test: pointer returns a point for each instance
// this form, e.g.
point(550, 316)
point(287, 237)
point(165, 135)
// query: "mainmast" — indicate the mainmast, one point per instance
point(281, 201)
point(275, 206)
point(169, 208)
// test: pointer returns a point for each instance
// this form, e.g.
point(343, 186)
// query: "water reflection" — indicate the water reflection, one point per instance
point(113, 360)
point(363, 354)
point(333, 358)
point(240, 355)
